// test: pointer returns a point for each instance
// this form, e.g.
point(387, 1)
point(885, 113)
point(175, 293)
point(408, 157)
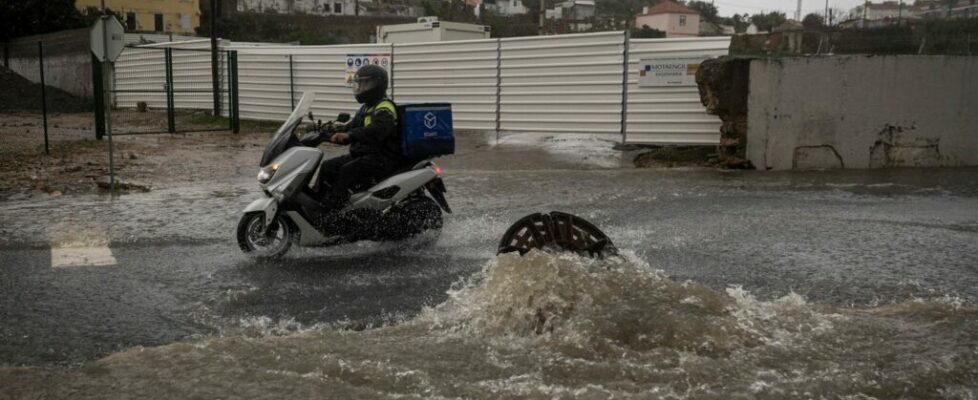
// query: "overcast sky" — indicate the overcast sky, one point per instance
point(731, 7)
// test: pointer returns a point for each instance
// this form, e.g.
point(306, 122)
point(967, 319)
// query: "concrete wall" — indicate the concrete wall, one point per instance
point(863, 112)
point(67, 60)
point(69, 72)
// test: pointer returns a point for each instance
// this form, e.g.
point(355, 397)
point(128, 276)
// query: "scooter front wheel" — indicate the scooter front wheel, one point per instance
point(271, 245)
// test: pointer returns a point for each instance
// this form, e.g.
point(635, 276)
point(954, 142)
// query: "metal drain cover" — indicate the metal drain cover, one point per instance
point(557, 231)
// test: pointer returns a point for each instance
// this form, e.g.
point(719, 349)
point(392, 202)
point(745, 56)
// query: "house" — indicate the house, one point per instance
point(401, 8)
point(169, 16)
point(959, 9)
point(675, 19)
point(576, 15)
point(312, 7)
point(506, 7)
point(873, 15)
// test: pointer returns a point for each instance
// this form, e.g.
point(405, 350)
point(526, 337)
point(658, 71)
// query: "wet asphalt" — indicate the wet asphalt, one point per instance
point(175, 274)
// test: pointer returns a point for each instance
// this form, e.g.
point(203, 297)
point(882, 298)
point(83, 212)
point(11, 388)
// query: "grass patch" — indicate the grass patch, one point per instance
point(60, 148)
point(220, 121)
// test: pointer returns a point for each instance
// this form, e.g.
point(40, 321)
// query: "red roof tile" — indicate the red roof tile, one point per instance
point(672, 7)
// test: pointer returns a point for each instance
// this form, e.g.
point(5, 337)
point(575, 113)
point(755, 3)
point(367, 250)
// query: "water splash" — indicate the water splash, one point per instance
point(561, 326)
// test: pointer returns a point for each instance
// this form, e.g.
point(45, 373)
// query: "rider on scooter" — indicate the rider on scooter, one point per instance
point(373, 137)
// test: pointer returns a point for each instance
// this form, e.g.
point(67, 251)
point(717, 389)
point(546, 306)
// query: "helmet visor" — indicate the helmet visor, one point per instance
point(361, 84)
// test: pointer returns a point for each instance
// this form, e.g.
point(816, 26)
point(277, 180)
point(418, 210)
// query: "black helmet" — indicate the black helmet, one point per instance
point(370, 84)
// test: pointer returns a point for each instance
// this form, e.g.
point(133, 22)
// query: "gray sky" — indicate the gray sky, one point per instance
point(731, 7)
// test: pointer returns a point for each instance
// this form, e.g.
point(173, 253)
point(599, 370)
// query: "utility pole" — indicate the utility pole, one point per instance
point(543, 11)
point(215, 78)
point(865, 10)
point(825, 16)
point(798, 12)
point(900, 14)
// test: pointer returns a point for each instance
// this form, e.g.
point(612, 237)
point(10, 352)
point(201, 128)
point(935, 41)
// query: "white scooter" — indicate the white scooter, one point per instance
point(403, 205)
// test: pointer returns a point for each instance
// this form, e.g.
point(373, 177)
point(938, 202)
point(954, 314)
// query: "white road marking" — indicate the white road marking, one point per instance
point(65, 257)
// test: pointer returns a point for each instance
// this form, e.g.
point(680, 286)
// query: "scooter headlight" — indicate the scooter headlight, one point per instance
point(265, 173)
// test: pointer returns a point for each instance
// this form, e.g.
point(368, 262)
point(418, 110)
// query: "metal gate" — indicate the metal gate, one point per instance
point(170, 90)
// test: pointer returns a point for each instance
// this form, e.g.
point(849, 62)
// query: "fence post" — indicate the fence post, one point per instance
point(236, 117)
point(392, 72)
point(291, 83)
point(624, 88)
point(98, 97)
point(227, 76)
point(44, 100)
point(499, 84)
point(171, 123)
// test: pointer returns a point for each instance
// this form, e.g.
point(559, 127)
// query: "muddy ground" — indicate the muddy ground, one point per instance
point(77, 161)
point(146, 161)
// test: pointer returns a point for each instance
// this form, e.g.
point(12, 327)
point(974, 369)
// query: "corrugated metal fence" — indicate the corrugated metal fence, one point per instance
point(582, 83)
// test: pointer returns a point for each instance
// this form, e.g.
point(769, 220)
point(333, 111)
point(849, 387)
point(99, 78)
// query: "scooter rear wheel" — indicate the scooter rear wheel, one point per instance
point(272, 245)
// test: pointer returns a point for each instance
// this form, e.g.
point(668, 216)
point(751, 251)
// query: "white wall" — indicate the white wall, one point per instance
point(863, 112)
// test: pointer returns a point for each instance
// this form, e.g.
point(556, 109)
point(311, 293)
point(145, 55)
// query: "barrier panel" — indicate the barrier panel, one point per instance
point(670, 115)
point(580, 83)
point(565, 83)
point(463, 73)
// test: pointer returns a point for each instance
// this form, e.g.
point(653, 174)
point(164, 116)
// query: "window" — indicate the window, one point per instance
point(185, 22)
point(682, 20)
point(158, 22)
point(130, 21)
point(337, 8)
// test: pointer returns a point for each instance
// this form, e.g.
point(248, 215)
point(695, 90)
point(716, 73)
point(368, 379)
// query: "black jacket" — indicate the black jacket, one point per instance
point(381, 137)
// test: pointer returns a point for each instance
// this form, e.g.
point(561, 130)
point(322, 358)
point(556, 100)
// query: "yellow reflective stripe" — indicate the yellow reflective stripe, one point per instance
point(386, 104)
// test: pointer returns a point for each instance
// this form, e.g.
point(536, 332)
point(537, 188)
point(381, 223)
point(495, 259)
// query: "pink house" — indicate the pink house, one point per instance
point(675, 19)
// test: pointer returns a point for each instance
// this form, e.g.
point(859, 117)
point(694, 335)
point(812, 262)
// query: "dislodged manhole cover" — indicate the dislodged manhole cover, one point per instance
point(557, 231)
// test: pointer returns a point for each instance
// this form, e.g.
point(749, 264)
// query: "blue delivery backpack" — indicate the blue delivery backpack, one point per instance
point(426, 130)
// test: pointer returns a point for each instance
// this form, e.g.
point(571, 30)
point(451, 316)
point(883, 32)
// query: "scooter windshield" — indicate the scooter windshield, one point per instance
point(284, 136)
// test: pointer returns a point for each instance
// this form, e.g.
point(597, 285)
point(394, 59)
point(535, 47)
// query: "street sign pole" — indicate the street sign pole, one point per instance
point(107, 42)
point(106, 70)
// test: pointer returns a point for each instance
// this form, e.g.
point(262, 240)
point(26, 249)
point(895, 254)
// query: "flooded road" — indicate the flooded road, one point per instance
point(735, 284)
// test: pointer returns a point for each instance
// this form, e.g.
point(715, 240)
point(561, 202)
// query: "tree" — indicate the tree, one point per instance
point(813, 21)
point(621, 11)
point(739, 22)
point(766, 22)
point(33, 17)
point(708, 12)
point(647, 33)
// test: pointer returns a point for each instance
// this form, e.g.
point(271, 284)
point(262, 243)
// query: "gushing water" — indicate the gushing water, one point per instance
point(560, 326)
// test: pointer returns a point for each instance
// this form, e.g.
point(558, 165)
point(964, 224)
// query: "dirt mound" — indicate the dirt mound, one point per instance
point(18, 93)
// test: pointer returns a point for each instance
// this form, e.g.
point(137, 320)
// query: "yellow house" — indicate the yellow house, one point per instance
point(170, 16)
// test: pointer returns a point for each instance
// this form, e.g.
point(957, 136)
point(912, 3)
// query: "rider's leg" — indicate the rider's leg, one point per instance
point(359, 171)
point(331, 170)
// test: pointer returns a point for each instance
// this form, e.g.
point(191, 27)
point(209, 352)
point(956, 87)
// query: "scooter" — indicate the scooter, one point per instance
point(406, 204)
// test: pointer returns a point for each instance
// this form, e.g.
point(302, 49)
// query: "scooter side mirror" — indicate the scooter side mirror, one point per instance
point(343, 118)
point(311, 117)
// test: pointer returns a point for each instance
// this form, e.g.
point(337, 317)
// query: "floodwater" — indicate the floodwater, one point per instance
point(559, 326)
point(833, 284)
